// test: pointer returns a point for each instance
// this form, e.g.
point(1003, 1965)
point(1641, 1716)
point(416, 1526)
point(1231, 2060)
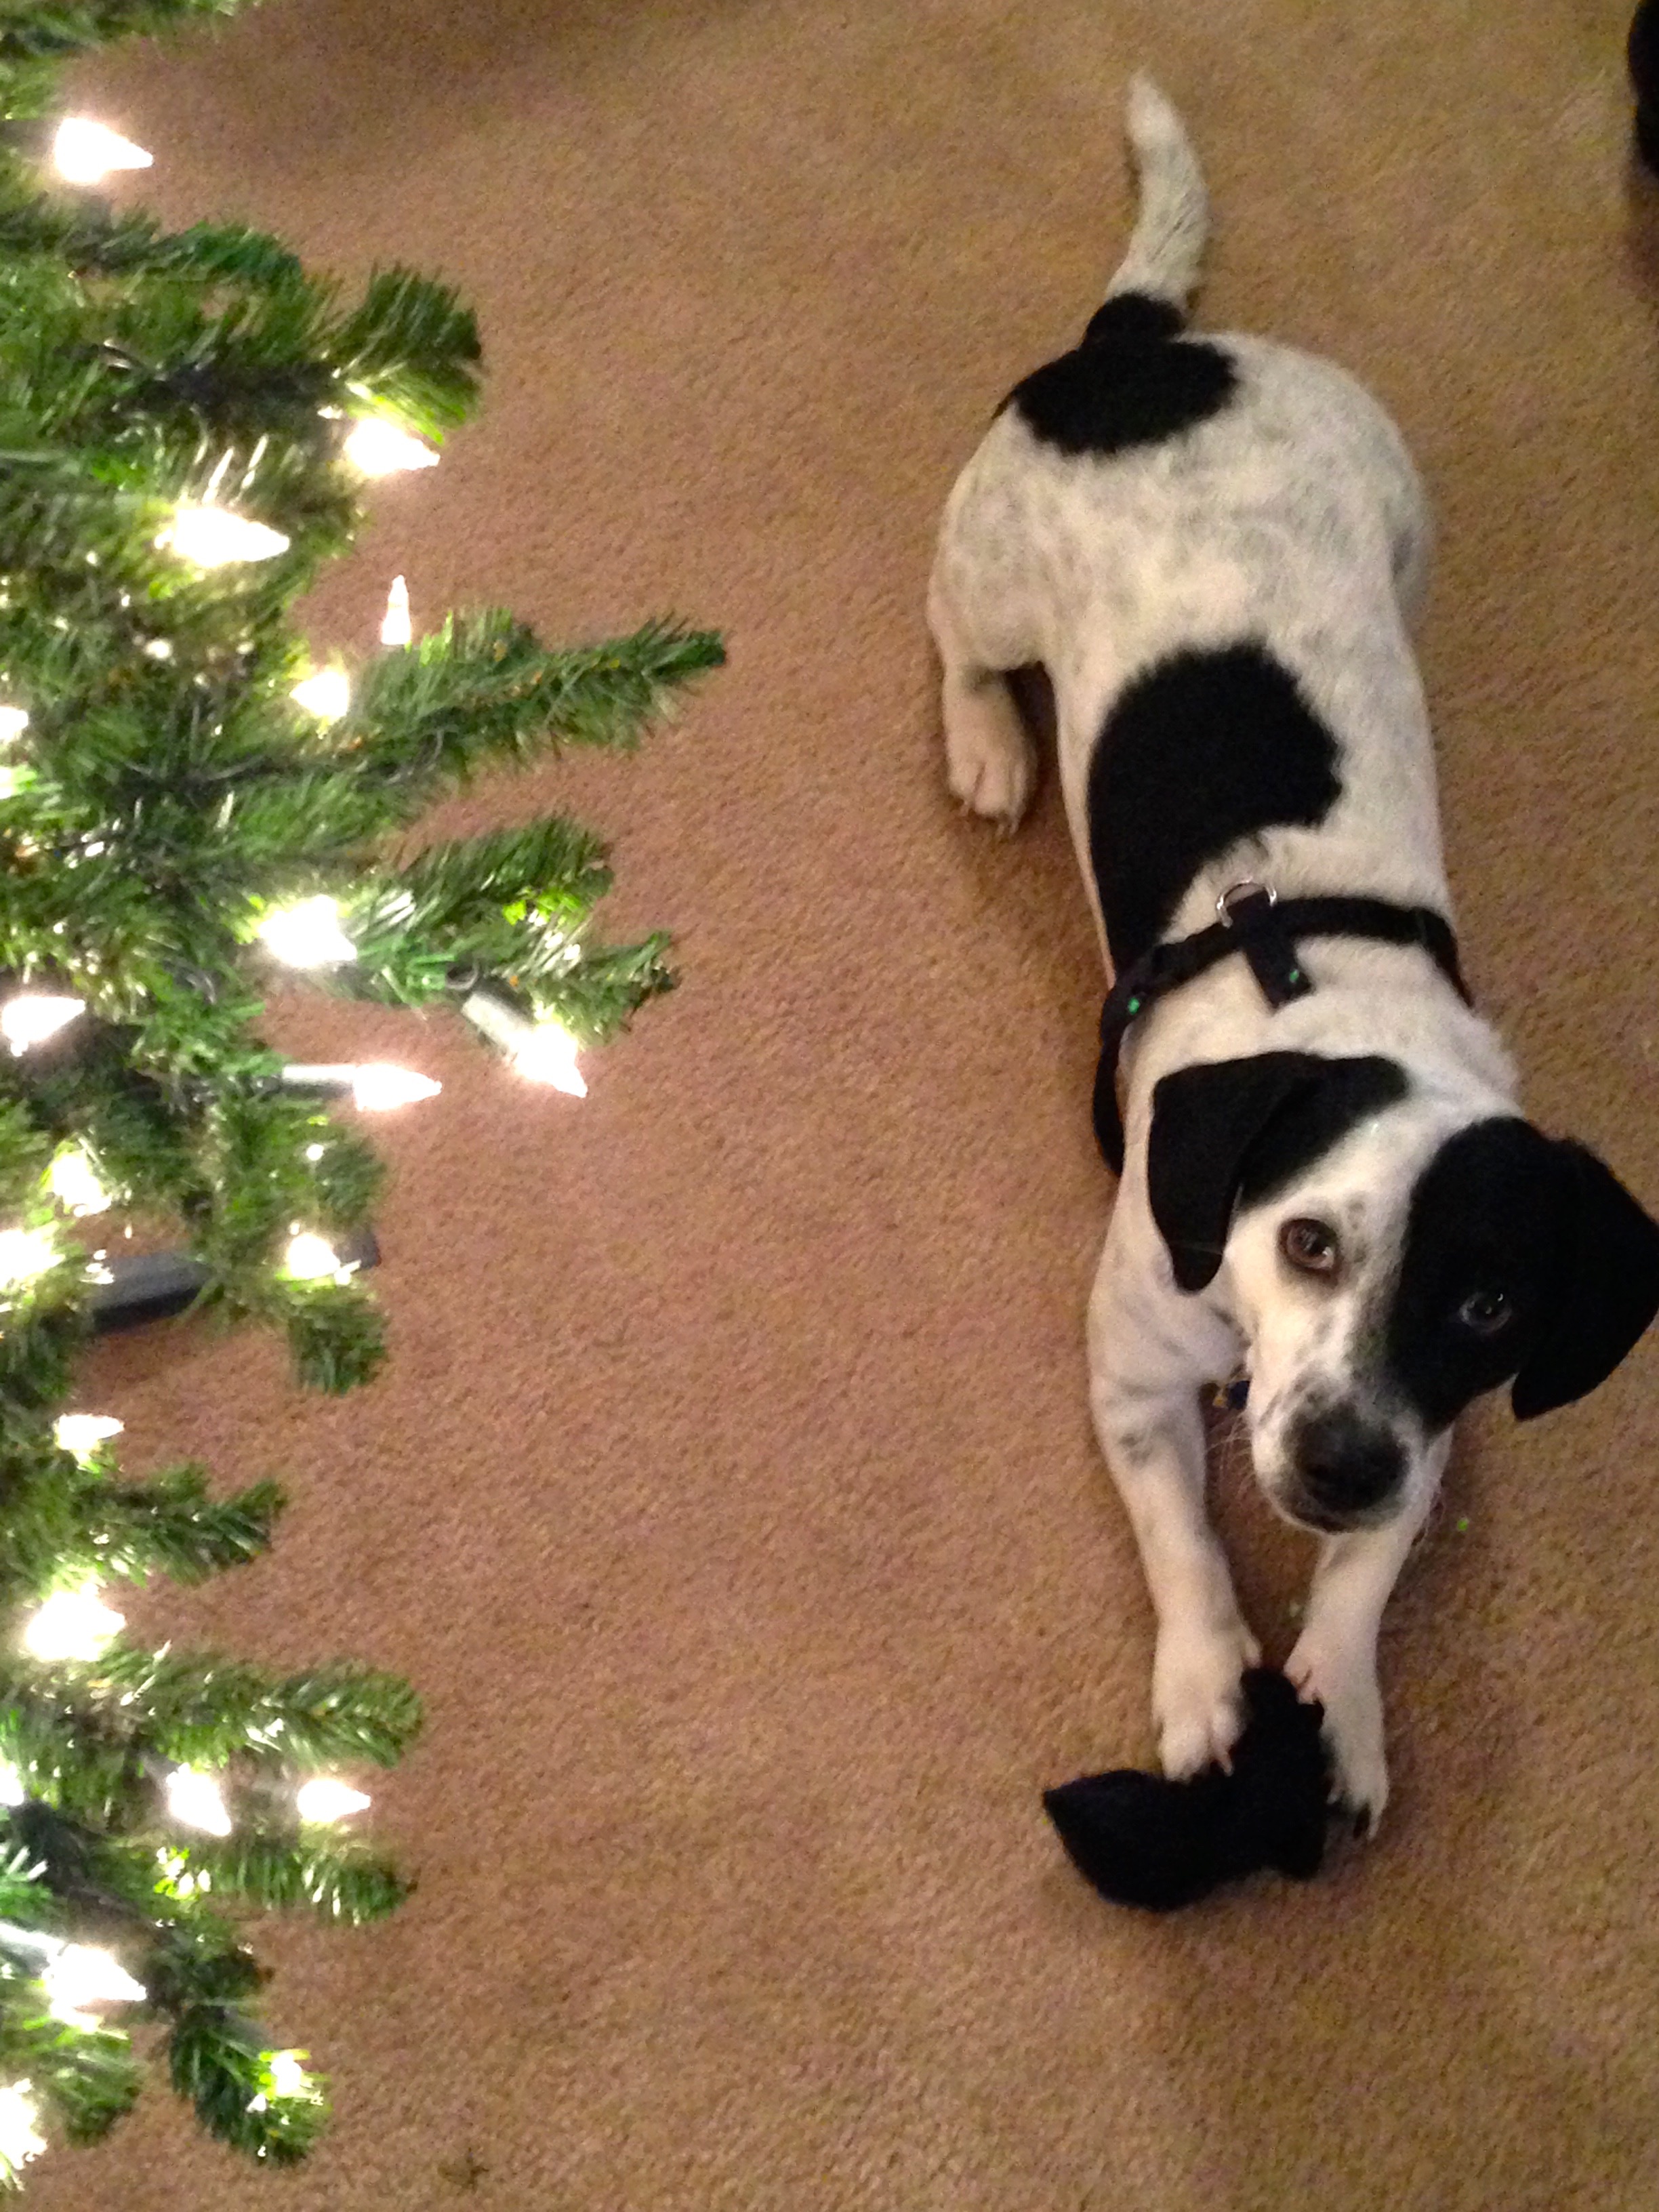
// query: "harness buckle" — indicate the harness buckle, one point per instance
point(1240, 894)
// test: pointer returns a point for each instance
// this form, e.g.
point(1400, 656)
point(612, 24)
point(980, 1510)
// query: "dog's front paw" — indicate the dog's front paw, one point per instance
point(1346, 1688)
point(1197, 1703)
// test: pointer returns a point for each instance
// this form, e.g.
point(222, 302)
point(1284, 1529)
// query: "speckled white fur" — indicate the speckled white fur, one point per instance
point(1293, 518)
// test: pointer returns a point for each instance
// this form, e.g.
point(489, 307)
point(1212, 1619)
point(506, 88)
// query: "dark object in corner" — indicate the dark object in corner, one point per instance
point(1141, 1840)
point(1642, 53)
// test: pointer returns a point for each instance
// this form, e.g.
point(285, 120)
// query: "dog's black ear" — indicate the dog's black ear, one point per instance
point(1605, 1293)
point(1205, 1119)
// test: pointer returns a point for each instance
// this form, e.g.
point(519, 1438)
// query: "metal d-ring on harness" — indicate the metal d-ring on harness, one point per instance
point(1255, 922)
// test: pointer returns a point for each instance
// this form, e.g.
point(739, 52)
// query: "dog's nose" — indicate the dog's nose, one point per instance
point(1346, 1465)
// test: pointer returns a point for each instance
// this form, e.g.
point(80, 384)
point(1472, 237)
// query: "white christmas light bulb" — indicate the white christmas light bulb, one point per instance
point(376, 1087)
point(35, 1016)
point(310, 1257)
point(398, 628)
point(82, 1433)
point(14, 721)
point(20, 2139)
point(547, 1054)
point(326, 695)
point(288, 2077)
point(73, 1182)
point(323, 1798)
point(25, 1254)
point(195, 1801)
point(213, 537)
point(72, 1624)
point(307, 935)
point(542, 1052)
point(78, 1976)
point(379, 448)
point(83, 151)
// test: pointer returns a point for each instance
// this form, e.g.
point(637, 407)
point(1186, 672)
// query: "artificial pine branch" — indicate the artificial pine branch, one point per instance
point(172, 795)
point(482, 691)
point(216, 2059)
point(597, 997)
point(170, 1526)
point(90, 2077)
point(338, 1878)
point(335, 1333)
point(94, 240)
point(202, 1709)
point(68, 1521)
point(52, 29)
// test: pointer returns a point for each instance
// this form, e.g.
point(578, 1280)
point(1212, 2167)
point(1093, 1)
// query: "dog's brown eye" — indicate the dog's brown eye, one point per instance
point(1485, 1311)
point(1309, 1246)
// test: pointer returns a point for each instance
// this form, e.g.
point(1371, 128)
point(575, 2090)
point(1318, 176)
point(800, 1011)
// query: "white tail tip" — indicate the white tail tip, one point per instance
point(1153, 119)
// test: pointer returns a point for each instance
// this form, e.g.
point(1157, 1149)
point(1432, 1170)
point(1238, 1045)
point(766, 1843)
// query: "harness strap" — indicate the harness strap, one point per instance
point(1264, 928)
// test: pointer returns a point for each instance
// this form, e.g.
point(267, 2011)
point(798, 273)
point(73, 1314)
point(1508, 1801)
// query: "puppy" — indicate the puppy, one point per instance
point(1214, 548)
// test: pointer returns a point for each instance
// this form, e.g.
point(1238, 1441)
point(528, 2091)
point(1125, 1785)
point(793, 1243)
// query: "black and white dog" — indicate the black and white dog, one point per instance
point(1214, 547)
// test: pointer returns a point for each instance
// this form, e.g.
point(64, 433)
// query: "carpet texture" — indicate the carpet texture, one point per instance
point(730, 1495)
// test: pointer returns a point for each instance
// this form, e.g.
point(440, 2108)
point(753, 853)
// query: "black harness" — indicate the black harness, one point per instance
point(1256, 922)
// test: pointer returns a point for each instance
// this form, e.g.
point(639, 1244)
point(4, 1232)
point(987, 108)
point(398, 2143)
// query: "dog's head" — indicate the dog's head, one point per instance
point(1389, 1258)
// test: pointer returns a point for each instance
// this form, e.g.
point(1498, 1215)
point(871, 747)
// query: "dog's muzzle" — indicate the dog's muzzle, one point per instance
point(1346, 1470)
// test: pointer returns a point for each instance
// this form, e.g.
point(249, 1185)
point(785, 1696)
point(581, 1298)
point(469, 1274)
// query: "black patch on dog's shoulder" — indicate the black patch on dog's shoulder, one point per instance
point(1199, 751)
point(1313, 1121)
point(1487, 1216)
point(1132, 382)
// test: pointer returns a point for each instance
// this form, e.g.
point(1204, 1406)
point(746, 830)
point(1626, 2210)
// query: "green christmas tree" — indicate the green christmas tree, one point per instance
point(185, 804)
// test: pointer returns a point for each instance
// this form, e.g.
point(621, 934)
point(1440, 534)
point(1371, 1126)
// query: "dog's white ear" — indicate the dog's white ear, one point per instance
point(1205, 1119)
point(1606, 1291)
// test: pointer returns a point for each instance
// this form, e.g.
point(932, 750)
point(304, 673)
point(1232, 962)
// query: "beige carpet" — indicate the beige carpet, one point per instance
point(731, 1496)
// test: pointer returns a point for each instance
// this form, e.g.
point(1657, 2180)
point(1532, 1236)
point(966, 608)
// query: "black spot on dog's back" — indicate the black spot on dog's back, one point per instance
point(1134, 319)
point(1199, 751)
point(1133, 381)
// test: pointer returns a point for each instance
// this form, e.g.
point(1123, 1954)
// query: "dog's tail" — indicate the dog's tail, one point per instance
point(1167, 243)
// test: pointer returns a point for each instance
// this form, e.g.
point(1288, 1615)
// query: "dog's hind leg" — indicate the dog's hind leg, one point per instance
point(990, 760)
